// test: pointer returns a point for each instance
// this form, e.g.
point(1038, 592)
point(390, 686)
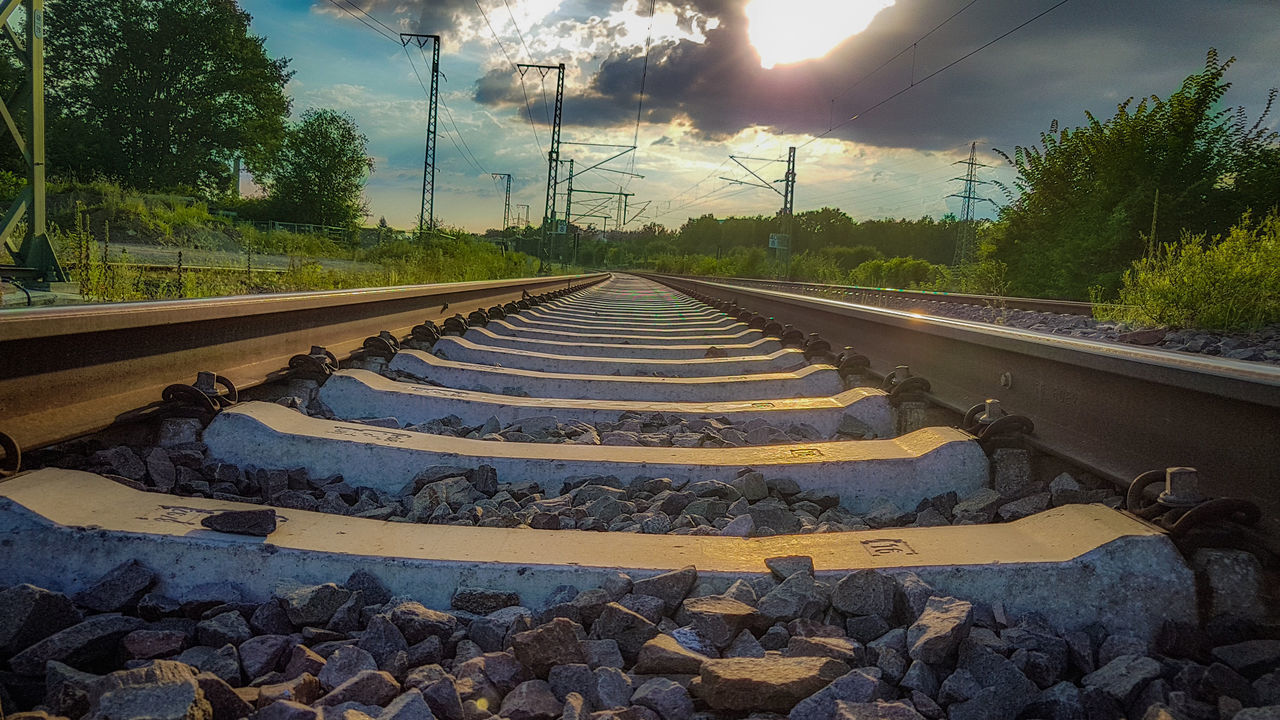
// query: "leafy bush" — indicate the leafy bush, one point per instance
point(898, 272)
point(1228, 283)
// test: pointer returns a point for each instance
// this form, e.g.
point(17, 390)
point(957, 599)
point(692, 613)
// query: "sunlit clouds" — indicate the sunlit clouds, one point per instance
point(788, 31)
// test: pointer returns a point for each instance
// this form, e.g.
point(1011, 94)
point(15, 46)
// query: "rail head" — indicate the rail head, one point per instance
point(68, 371)
point(1119, 410)
point(1046, 305)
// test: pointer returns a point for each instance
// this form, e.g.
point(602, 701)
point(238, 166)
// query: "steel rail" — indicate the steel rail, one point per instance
point(1115, 409)
point(69, 371)
point(867, 295)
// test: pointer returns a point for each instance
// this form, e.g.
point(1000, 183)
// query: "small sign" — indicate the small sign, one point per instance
point(779, 241)
point(562, 226)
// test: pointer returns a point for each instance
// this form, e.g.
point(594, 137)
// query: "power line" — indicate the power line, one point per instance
point(519, 34)
point(503, 48)
point(362, 20)
point(644, 76)
point(388, 28)
point(937, 72)
point(903, 51)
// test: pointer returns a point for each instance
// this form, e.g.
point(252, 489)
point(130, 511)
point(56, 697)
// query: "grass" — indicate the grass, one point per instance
point(93, 216)
point(1226, 283)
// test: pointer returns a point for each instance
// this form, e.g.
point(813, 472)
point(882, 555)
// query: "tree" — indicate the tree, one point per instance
point(319, 172)
point(1090, 197)
point(160, 94)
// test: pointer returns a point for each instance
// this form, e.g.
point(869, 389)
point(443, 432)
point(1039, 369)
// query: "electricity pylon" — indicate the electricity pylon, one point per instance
point(506, 206)
point(553, 152)
point(427, 215)
point(966, 239)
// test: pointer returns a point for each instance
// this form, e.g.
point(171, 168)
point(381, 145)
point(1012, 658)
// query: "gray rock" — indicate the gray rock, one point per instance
point(345, 663)
point(495, 630)
point(554, 643)
point(848, 651)
point(859, 686)
point(438, 689)
point(260, 655)
point(1005, 690)
point(602, 653)
point(481, 601)
point(646, 606)
point(936, 634)
point(575, 707)
point(865, 628)
point(368, 687)
point(878, 710)
point(741, 526)
point(531, 700)
point(920, 676)
point(628, 629)
point(780, 519)
point(1261, 713)
point(383, 641)
point(1062, 701)
point(612, 688)
point(287, 710)
point(369, 586)
point(1251, 656)
point(571, 678)
point(222, 629)
point(315, 604)
point(865, 592)
point(121, 461)
point(1123, 678)
point(1232, 580)
point(745, 645)
point(67, 690)
point(785, 566)
point(799, 596)
point(1065, 490)
point(766, 684)
point(164, 691)
point(959, 686)
point(29, 614)
point(255, 523)
point(270, 619)
point(119, 589)
point(416, 622)
point(665, 697)
point(80, 645)
point(716, 617)
point(978, 505)
point(663, 655)
point(409, 706)
point(670, 587)
point(1012, 470)
point(223, 662)
point(1024, 507)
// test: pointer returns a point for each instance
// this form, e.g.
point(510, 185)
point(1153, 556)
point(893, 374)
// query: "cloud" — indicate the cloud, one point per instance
point(1085, 55)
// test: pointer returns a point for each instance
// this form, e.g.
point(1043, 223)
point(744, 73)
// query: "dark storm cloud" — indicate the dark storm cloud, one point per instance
point(1088, 54)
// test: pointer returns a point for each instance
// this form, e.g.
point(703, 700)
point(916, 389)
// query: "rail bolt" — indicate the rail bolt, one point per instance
point(1181, 488)
point(991, 412)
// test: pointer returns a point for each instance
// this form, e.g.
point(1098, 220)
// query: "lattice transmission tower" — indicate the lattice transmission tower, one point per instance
point(967, 237)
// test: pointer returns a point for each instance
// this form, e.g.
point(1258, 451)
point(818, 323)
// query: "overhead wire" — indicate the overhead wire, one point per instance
point(644, 77)
point(516, 68)
point(937, 72)
point(470, 160)
point(362, 20)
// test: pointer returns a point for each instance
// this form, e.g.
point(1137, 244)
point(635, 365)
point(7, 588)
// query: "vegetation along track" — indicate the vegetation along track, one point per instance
point(652, 498)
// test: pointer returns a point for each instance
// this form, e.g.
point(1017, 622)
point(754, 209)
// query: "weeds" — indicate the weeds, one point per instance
point(1228, 284)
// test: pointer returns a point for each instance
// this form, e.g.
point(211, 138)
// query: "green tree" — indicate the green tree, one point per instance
point(319, 172)
point(1089, 197)
point(161, 94)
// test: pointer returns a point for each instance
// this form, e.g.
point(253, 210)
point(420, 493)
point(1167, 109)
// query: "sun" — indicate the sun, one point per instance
point(787, 31)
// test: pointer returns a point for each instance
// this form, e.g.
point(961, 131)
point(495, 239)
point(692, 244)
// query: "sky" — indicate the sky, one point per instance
point(866, 90)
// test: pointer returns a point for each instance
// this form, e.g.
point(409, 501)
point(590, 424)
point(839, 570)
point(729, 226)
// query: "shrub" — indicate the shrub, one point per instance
point(1229, 283)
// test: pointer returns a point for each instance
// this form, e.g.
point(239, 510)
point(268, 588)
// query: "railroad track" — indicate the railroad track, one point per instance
point(887, 296)
point(616, 494)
